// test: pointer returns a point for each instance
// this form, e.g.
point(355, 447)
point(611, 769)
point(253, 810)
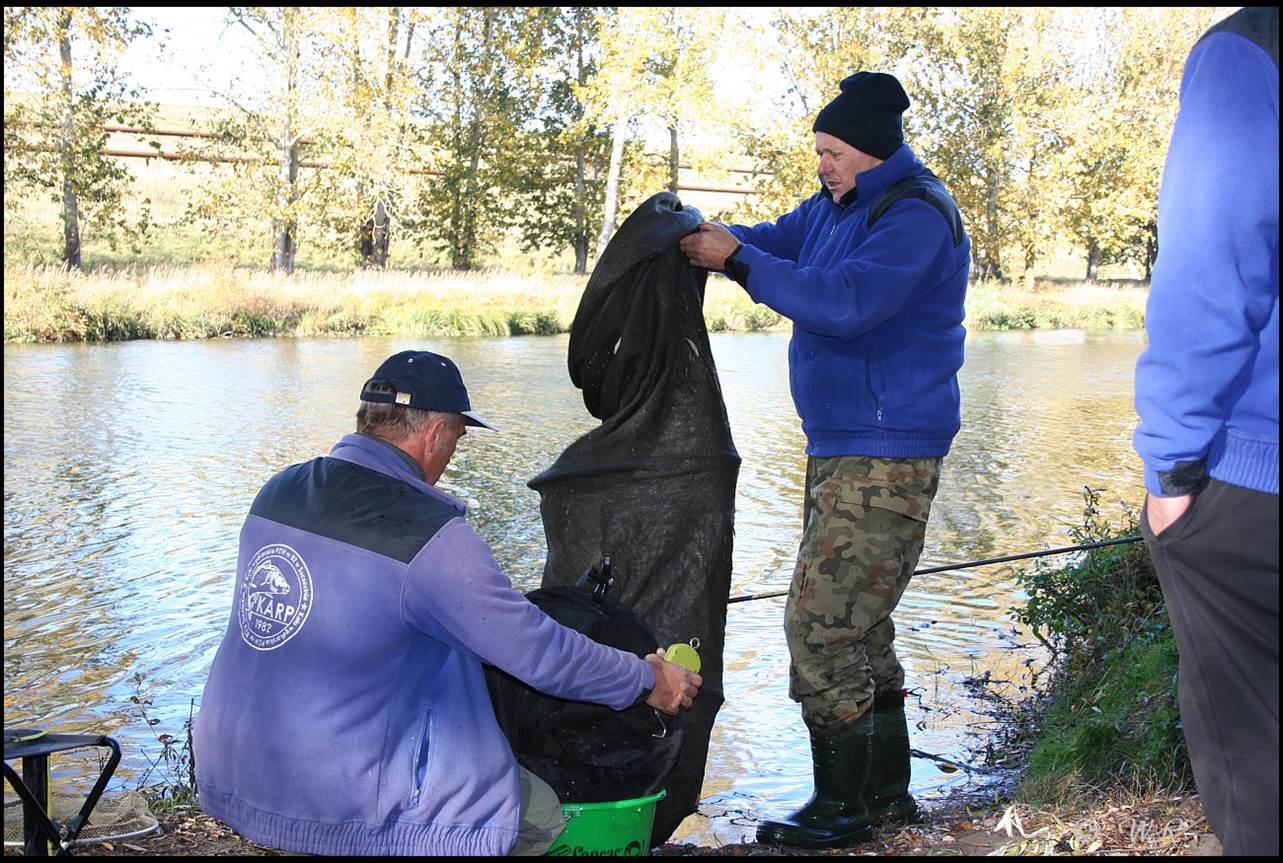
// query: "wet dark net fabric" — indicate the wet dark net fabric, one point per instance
point(653, 487)
point(591, 753)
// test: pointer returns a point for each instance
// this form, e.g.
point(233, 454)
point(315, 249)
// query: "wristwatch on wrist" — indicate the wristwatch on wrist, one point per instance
point(735, 268)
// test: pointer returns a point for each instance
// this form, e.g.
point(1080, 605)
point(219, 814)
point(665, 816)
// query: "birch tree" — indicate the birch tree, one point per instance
point(478, 93)
point(1119, 129)
point(368, 69)
point(654, 64)
point(813, 59)
point(270, 194)
point(564, 170)
point(53, 136)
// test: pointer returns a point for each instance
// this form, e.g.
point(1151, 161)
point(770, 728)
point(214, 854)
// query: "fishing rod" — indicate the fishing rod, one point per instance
point(969, 564)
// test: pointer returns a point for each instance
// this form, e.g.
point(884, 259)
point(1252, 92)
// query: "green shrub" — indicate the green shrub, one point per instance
point(525, 322)
point(1121, 724)
point(1108, 709)
point(760, 317)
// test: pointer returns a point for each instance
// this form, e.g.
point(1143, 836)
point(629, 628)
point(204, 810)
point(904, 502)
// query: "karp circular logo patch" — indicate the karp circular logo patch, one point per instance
point(275, 597)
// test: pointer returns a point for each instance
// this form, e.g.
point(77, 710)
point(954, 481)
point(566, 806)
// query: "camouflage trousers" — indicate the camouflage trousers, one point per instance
point(864, 522)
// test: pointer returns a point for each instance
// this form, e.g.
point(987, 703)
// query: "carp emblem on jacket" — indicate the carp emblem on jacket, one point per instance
point(275, 597)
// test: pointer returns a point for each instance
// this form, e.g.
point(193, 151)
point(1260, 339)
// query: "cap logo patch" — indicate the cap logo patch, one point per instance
point(403, 398)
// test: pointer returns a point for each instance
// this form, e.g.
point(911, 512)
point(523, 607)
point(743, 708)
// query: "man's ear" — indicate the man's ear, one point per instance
point(437, 432)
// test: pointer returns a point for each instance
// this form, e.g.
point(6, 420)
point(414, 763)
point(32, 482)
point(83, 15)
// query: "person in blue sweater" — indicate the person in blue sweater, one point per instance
point(1207, 394)
point(346, 710)
point(872, 271)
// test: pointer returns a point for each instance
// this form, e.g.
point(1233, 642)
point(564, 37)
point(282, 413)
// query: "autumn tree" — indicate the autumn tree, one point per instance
point(814, 60)
point(368, 69)
point(654, 64)
point(1119, 128)
point(270, 193)
point(477, 94)
point(562, 174)
point(53, 135)
point(1047, 124)
point(963, 114)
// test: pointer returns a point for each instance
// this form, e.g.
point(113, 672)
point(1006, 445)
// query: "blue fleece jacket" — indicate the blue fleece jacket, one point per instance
point(877, 316)
point(346, 711)
point(1207, 386)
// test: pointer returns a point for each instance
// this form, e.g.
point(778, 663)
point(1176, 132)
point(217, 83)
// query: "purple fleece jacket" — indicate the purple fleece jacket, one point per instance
point(346, 711)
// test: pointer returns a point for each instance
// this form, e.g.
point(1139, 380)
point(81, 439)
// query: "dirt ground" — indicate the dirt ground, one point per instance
point(959, 826)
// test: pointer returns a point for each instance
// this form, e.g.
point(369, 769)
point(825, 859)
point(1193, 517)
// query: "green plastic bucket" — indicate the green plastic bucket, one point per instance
point(615, 828)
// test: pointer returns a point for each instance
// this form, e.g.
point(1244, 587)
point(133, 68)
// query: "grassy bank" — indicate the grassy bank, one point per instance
point(1106, 715)
point(45, 303)
point(1059, 304)
point(49, 304)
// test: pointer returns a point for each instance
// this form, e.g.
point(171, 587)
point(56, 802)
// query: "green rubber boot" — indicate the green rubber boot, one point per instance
point(888, 798)
point(836, 814)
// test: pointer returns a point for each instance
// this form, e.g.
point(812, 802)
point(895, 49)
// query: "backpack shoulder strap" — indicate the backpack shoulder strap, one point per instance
point(1259, 24)
point(926, 187)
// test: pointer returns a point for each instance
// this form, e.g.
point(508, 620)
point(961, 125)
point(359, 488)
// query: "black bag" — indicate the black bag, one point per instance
point(585, 752)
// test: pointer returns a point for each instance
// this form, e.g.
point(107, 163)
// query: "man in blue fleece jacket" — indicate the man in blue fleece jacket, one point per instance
point(872, 270)
point(346, 711)
point(1207, 393)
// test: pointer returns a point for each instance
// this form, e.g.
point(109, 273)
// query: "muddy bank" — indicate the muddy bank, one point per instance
point(968, 823)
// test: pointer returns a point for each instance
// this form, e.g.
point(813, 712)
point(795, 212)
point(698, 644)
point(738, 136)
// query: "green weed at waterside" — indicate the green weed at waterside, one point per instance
point(759, 317)
point(51, 304)
point(169, 781)
point(1109, 706)
point(534, 323)
point(47, 303)
point(1084, 305)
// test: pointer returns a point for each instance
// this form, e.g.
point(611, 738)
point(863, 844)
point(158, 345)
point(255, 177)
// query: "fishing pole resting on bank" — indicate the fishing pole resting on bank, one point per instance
point(974, 563)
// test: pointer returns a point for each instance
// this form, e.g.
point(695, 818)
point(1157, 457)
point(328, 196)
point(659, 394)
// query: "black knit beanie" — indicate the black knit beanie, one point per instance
point(866, 114)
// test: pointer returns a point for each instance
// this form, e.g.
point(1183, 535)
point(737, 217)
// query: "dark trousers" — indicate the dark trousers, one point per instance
point(1218, 565)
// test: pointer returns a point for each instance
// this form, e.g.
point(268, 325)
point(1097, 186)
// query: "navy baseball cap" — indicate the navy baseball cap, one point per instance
point(425, 381)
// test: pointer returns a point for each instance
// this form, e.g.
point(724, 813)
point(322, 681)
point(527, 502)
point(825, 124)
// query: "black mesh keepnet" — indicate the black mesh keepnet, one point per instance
point(652, 488)
point(589, 753)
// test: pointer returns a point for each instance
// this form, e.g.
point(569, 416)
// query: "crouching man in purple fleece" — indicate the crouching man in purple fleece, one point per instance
point(346, 711)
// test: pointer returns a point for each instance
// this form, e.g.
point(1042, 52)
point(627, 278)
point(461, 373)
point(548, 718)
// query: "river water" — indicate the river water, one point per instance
point(130, 466)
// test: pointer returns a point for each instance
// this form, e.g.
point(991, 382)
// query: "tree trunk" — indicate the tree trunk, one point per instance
point(455, 186)
point(581, 191)
point(364, 230)
point(389, 80)
point(1031, 256)
point(673, 161)
point(284, 224)
point(1151, 249)
point(990, 252)
point(581, 213)
point(1093, 260)
point(374, 230)
point(466, 246)
point(67, 147)
point(382, 223)
point(612, 185)
point(375, 236)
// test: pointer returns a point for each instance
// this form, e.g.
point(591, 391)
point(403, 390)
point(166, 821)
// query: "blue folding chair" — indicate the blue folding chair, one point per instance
point(33, 747)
